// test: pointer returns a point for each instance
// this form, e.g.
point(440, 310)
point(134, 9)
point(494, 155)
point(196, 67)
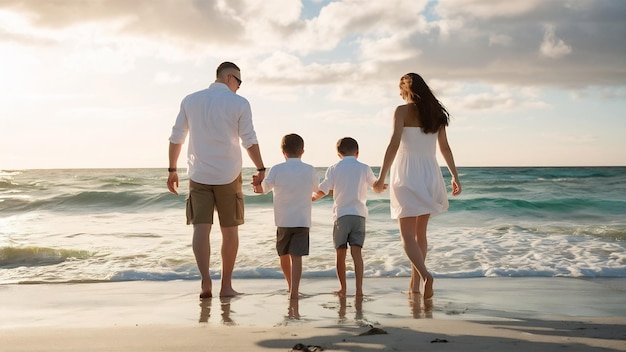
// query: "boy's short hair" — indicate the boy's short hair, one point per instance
point(292, 145)
point(347, 146)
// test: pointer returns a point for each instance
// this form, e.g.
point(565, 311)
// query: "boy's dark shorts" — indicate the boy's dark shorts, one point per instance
point(292, 240)
point(349, 229)
point(227, 199)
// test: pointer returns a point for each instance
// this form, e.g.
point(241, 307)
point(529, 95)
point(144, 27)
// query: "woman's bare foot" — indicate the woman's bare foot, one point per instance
point(340, 293)
point(428, 287)
point(228, 293)
point(206, 289)
point(414, 286)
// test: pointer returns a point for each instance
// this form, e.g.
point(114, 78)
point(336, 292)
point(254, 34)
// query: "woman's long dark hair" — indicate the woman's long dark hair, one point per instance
point(432, 113)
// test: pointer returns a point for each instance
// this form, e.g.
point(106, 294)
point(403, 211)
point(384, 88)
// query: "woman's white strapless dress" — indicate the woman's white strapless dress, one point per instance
point(417, 186)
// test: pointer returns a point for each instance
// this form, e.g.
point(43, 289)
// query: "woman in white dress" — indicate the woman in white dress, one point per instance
point(417, 189)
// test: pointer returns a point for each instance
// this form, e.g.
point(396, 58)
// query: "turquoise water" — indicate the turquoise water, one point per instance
point(121, 224)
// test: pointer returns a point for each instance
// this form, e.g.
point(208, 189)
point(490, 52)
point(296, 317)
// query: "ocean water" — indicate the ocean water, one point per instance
point(93, 225)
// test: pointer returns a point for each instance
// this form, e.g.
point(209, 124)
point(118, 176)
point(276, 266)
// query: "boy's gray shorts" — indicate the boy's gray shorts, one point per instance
point(349, 229)
point(292, 240)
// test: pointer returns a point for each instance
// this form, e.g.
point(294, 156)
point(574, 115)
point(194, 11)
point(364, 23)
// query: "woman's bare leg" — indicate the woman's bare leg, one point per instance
point(408, 228)
point(422, 242)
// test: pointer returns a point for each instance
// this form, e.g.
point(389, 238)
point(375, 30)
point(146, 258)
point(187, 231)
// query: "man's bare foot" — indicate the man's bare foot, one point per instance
point(228, 293)
point(428, 288)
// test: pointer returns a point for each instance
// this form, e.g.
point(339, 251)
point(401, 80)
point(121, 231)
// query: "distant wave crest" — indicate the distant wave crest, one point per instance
point(37, 256)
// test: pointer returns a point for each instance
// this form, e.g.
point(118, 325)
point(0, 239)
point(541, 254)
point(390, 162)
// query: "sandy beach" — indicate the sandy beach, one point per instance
point(484, 314)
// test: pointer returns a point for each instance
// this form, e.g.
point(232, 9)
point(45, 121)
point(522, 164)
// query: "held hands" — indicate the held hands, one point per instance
point(317, 195)
point(256, 184)
point(379, 186)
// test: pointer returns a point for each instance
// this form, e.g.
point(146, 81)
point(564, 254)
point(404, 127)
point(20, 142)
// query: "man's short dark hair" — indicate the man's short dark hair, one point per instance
point(347, 146)
point(225, 66)
point(292, 145)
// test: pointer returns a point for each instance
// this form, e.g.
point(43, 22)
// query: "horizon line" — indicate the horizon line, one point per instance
point(252, 167)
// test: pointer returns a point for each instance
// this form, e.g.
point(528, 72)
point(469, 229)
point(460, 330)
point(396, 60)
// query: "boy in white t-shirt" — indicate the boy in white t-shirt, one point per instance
point(293, 183)
point(348, 181)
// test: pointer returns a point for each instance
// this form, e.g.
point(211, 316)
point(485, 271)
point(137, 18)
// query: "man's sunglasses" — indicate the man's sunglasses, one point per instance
point(237, 79)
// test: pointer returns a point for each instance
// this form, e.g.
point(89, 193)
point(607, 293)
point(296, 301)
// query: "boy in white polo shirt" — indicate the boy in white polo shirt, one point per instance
point(348, 181)
point(293, 183)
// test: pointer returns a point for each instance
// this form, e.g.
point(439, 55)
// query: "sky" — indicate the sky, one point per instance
point(98, 84)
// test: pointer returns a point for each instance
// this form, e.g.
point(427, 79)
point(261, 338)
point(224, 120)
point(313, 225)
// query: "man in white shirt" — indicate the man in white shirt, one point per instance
point(293, 183)
point(348, 181)
point(215, 119)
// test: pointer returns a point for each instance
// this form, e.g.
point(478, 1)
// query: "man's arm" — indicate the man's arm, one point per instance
point(254, 152)
point(172, 178)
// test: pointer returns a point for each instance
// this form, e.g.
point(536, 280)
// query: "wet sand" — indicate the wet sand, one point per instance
point(497, 314)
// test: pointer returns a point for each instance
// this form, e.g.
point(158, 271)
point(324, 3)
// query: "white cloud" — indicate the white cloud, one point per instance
point(308, 66)
point(391, 48)
point(270, 13)
point(284, 68)
point(485, 8)
point(340, 20)
point(498, 99)
point(346, 93)
point(470, 39)
point(552, 46)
